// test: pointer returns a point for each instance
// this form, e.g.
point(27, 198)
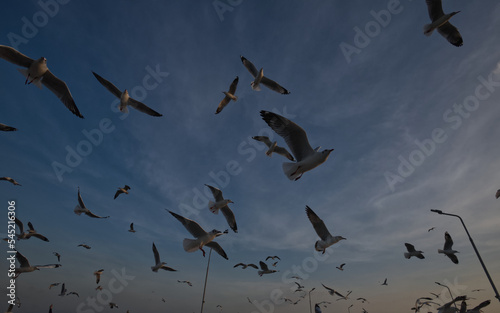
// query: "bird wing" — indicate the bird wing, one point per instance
point(317, 309)
point(294, 135)
point(109, 86)
point(22, 259)
point(192, 227)
point(448, 243)
point(12, 55)
point(48, 266)
point(61, 90)
point(271, 84)
point(6, 128)
point(131, 226)
point(216, 192)
point(482, 305)
point(229, 215)
point(497, 194)
point(239, 264)
point(222, 104)
point(39, 236)
point(451, 34)
point(284, 152)
point(263, 139)
point(30, 226)
point(318, 224)
point(263, 266)
point(20, 225)
point(435, 9)
point(156, 254)
point(253, 265)
point(214, 245)
point(328, 288)
point(126, 187)
point(80, 200)
point(234, 84)
point(118, 192)
point(249, 66)
point(89, 213)
point(167, 268)
point(410, 247)
point(453, 258)
point(142, 107)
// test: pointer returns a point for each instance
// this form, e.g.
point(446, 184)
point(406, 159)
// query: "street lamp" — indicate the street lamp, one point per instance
point(448, 291)
point(310, 306)
point(475, 249)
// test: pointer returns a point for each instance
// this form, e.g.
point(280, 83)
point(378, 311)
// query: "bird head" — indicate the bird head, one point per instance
point(216, 232)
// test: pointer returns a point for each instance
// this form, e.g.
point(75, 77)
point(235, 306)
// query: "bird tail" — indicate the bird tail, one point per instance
point(123, 108)
point(212, 207)
point(78, 210)
point(407, 255)
point(440, 251)
point(290, 170)
point(190, 245)
point(255, 87)
point(428, 29)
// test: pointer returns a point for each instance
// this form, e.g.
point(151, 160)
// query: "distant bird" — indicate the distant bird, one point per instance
point(33, 233)
point(497, 195)
point(38, 73)
point(222, 205)
point(97, 275)
point(25, 266)
point(297, 277)
point(274, 264)
point(185, 282)
point(250, 301)
point(447, 249)
point(202, 237)
point(432, 228)
point(229, 96)
point(273, 257)
point(11, 180)
point(122, 190)
point(317, 309)
point(412, 252)
point(6, 128)
point(341, 267)
point(477, 290)
point(63, 290)
point(363, 300)
point(158, 263)
point(333, 292)
point(259, 78)
point(58, 256)
point(54, 285)
point(131, 228)
point(113, 305)
point(384, 283)
point(441, 22)
point(479, 307)
point(81, 208)
point(446, 308)
point(319, 226)
point(84, 245)
point(125, 99)
point(296, 139)
point(98, 287)
point(273, 147)
point(73, 293)
point(299, 287)
point(265, 269)
point(244, 266)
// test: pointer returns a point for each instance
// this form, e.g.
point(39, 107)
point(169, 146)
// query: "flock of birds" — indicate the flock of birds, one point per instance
point(302, 158)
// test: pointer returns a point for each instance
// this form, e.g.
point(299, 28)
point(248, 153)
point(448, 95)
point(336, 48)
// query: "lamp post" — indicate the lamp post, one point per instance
point(206, 277)
point(448, 291)
point(310, 306)
point(475, 250)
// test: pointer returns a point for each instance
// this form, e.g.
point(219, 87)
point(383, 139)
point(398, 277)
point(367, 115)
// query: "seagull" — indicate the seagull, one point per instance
point(317, 309)
point(54, 285)
point(479, 307)
point(113, 305)
point(229, 96)
point(26, 267)
point(447, 248)
point(332, 291)
point(131, 228)
point(11, 180)
point(6, 128)
point(84, 245)
point(265, 269)
point(158, 263)
point(432, 228)
point(477, 290)
point(497, 195)
point(122, 190)
point(274, 264)
point(63, 290)
point(58, 256)
point(125, 99)
point(297, 277)
point(32, 233)
point(446, 308)
point(185, 282)
point(98, 275)
point(81, 208)
point(243, 266)
point(296, 139)
point(273, 257)
point(222, 204)
point(260, 78)
point(341, 267)
point(412, 252)
point(319, 226)
point(273, 147)
point(299, 287)
point(363, 300)
point(38, 73)
point(441, 22)
point(202, 237)
point(384, 283)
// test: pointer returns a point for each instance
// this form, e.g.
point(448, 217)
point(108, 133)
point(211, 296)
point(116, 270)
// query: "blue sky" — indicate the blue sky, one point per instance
point(412, 120)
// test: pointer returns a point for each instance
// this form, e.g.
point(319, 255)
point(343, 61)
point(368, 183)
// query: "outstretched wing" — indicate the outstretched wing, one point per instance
point(451, 34)
point(61, 90)
point(318, 224)
point(217, 248)
point(191, 226)
point(13, 56)
point(109, 86)
point(142, 107)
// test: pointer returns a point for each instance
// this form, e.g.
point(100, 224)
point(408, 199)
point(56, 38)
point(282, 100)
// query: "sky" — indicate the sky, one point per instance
point(413, 121)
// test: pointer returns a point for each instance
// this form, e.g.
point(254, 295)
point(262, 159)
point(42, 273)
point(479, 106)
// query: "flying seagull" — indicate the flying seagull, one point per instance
point(222, 204)
point(81, 208)
point(11, 180)
point(25, 266)
point(447, 249)
point(273, 257)
point(98, 275)
point(243, 265)
point(63, 290)
point(121, 190)
point(131, 228)
point(158, 263)
point(273, 147)
point(332, 292)
point(319, 226)
point(412, 252)
point(384, 283)
point(6, 128)
point(125, 99)
point(441, 22)
point(186, 282)
point(432, 228)
point(229, 96)
point(84, 245)
point(259, 78)
point(58, 256)
point(38, 73)
point(265, 269)
point(54, 285)
point(33, 233)
point(341, 267)
point(202, 237)
point(296, 139)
